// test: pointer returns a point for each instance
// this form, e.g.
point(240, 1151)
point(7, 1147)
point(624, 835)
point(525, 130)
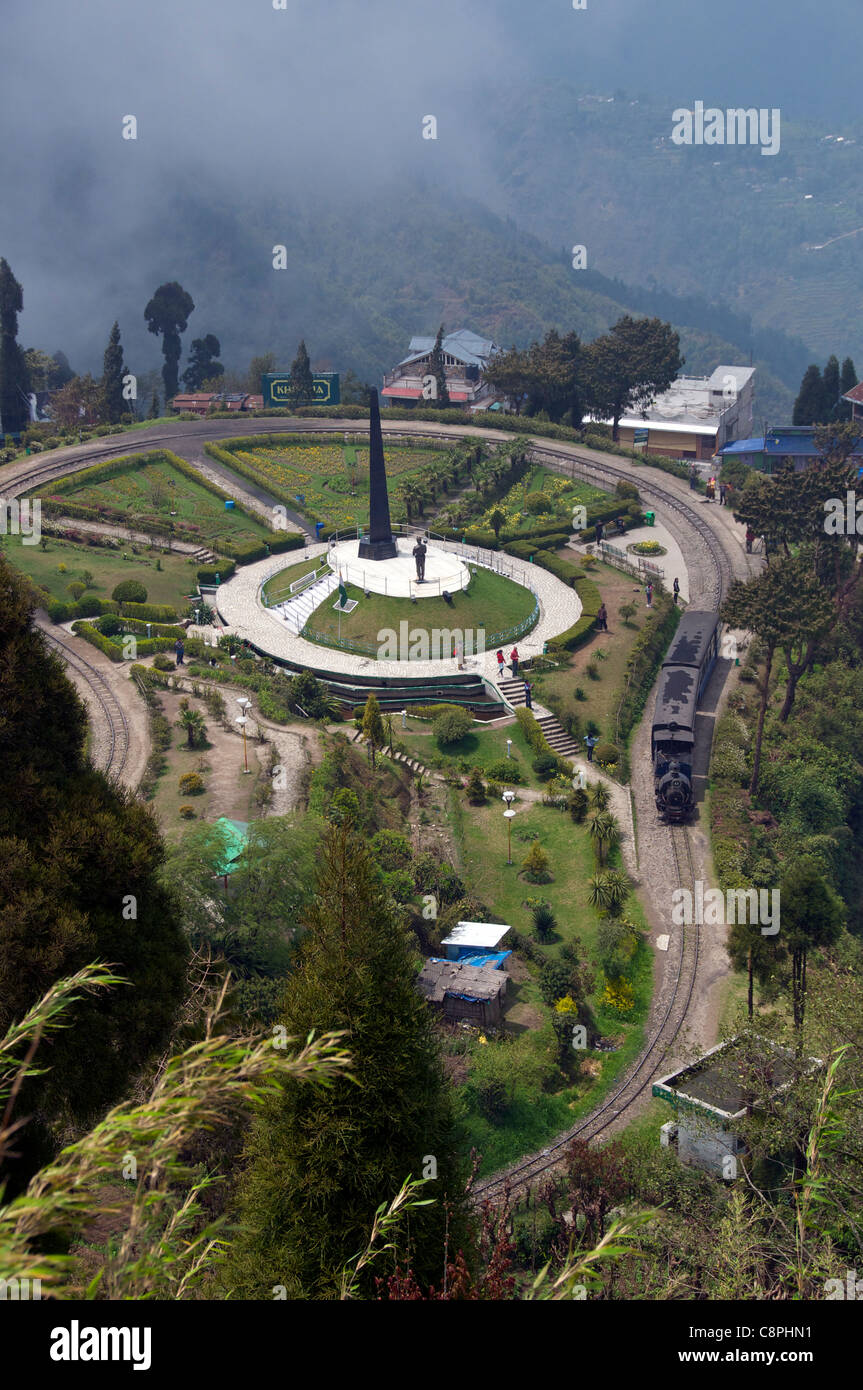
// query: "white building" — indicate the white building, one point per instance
point(695, 417)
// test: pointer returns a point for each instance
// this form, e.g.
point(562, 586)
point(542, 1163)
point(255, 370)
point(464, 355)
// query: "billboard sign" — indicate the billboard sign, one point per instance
point(276, 389)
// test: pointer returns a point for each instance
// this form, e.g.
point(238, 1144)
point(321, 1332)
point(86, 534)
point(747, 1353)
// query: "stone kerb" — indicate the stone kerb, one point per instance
point(243, 612)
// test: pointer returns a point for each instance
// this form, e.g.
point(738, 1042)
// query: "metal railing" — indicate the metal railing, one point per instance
point(625, 560)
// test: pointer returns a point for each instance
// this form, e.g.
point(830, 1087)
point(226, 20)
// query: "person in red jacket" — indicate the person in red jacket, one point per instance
point(514, 658)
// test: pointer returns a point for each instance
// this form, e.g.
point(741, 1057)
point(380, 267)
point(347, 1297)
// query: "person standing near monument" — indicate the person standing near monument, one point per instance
point(419, 553)
point(514, 658)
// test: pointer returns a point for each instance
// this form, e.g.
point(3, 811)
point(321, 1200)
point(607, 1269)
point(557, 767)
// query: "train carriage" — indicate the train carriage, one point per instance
point(684, 676)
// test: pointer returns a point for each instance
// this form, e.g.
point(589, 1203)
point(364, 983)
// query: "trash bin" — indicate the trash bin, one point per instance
point(649, 518)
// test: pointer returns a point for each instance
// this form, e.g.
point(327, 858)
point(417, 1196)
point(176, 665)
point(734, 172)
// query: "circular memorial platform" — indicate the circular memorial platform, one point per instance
point(397, 577)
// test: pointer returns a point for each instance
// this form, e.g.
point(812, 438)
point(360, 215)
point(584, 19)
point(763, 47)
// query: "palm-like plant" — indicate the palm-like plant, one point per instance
point(604, 831)
point(192, 721)
point(609, 891)
point(600, 797)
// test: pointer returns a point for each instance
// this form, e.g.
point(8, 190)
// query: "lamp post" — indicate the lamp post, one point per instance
point(244, 704)
point(509, 798)
point(404, 718)
point(508, 747)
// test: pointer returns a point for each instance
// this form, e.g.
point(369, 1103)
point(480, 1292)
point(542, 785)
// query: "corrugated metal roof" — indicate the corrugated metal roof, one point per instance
point(466, 346)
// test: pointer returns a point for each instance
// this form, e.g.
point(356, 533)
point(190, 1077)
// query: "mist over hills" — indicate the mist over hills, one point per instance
point(303, 129)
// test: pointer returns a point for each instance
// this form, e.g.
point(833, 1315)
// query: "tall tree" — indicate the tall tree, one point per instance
point(830, 387)
point(40, 369)
point(510, 373)
point(80, 402)
point(260, 366)
point(203, 365)
point(14, 377)
point(302, 380)
point(437, 369)
point(62, 371)
point(168, 314)
point(113, 372)
point(809, 405)
point(847, 382)
point(629, 366)
point(373, 728)
point(154, 407)
point(812, 916)
point(78, 862)
point(319, 1166)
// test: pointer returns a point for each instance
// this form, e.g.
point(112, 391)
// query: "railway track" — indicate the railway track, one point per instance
point(650, 1062)
point(109, 710)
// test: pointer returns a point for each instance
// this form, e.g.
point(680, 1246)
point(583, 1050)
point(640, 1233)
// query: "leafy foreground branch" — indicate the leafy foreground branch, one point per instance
point(166, 1249)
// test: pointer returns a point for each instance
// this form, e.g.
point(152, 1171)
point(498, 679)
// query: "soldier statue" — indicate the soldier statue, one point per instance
point(420, 557)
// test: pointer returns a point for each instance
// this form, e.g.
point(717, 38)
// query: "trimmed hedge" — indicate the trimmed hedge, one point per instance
point(208, 575)
point(60, 612)
point(145, 647)
point(149, 612)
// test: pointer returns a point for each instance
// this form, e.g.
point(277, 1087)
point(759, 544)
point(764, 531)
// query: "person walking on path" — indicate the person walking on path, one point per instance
point(750, 537)
point(499, 658)
point(722, 494)
point(599, 532)
point(527, 695)
point(180, 650)
point(514, 658)
point(693, 478)
point(602, 618)
point(711, 490)
point(649, 592)
point(591, 740)
point(675, 589)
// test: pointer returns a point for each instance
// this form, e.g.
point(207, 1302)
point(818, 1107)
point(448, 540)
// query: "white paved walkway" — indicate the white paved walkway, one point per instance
point(239, 604)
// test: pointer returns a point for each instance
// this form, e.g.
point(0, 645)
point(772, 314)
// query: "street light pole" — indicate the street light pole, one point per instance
point(244, 704)
point(509, 797)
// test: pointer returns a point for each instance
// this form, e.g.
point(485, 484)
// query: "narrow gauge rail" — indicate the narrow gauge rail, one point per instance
point(111, 710)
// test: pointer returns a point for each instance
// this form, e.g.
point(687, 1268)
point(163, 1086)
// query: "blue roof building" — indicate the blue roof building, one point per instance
point(767, 452)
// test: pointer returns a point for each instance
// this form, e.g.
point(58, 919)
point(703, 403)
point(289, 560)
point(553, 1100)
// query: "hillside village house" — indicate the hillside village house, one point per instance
point(200, 402)
point(695, 417)
point(855, 400)
point(466, 357)
point(795, 443)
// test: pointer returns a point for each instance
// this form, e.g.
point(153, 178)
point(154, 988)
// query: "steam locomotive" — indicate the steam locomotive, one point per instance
point(684, 676)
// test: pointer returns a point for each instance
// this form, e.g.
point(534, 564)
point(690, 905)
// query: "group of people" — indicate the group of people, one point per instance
point(501, 662)
point(725, 489)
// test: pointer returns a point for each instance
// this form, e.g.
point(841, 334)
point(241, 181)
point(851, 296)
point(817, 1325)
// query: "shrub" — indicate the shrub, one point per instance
point(110, 624)
point(578, 804)
point(545, 766)
point(475, 788)
point(535, 864)
point(150, 612)
point(188, 812)
point(163, 663)
point(391, 850)
point(191, 784)
point(607, 753)
point(451, 727)
point(504, 771)
point(400, 885)
point(76, 589)
point(130, 591)
point(544, 920)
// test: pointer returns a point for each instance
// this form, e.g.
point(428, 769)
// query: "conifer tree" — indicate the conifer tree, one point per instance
point(302, 379)
point(830, 387)
point(809, 405)
point(320, 1165)
point(167, 314)
point(113, 371)
point(14, 377)
point(847, 382)
point(373, 726)
point(437, 369)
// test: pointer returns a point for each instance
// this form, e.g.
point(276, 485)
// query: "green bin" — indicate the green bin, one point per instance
point(649, 518)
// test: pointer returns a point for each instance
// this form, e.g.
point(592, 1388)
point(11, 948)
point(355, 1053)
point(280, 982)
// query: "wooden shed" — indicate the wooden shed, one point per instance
point(460, 991)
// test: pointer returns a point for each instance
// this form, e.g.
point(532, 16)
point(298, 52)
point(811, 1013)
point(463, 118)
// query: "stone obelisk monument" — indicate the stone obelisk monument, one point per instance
point(380, 542)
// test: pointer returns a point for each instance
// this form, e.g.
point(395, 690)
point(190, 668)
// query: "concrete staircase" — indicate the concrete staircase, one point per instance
point(512, 690)
point(297, 610)
point(204, 556)
point(557, 737)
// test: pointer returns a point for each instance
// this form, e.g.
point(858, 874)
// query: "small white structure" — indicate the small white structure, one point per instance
point(396, 577)
point(469, 938)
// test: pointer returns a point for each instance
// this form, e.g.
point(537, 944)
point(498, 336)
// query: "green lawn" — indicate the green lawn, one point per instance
point(168, 585)
point(482, 747)
point(158, 492)
point(538, 1114)
point(277, 589)
point(491, 602)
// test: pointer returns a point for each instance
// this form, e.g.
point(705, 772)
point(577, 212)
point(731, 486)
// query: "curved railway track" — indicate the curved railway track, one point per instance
point(708, 587)
point(109, 710)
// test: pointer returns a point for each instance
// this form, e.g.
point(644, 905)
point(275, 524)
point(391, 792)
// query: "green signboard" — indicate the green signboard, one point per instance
point(276, 389)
